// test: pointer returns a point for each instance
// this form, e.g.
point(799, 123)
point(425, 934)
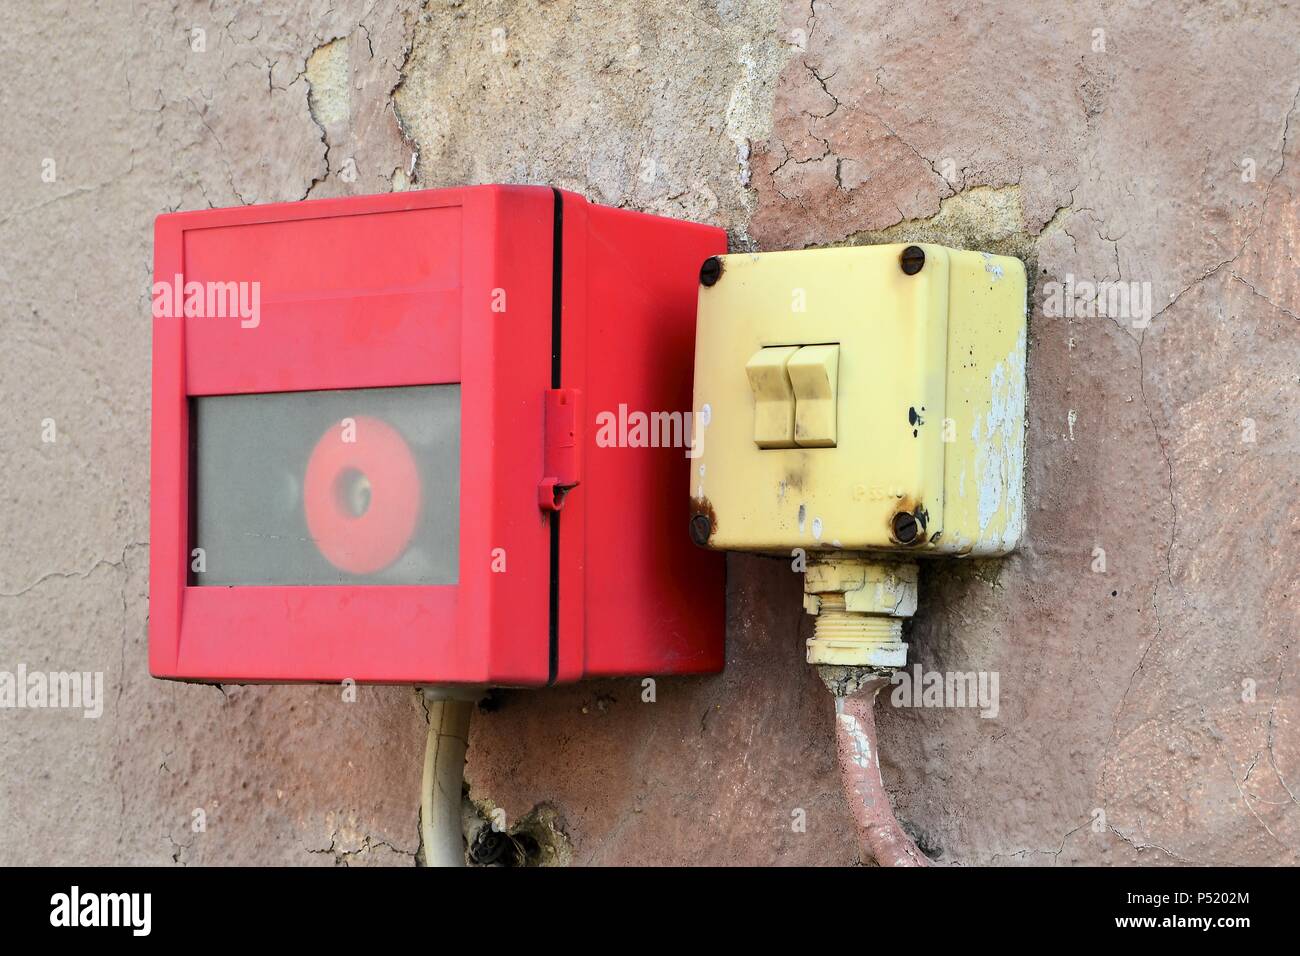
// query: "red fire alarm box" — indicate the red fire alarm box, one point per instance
point(428, 437)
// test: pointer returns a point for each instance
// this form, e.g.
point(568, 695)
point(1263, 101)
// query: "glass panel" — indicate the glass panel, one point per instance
point(353, 486)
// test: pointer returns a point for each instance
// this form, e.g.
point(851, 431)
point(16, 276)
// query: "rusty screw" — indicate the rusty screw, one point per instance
point(905, 527)
point(711, 271)
point(912, 259)
point(701, 528)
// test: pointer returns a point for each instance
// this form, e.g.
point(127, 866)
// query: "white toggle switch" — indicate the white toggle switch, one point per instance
point(814, 376)
point(773, 396)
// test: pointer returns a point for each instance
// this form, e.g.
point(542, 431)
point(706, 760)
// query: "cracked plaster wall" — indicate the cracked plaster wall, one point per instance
point(1002, 126)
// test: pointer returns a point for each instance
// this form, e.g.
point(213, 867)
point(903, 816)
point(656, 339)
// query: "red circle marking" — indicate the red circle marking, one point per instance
point(372, 540)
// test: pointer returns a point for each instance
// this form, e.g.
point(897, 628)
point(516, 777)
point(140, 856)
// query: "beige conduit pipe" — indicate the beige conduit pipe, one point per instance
point(879, 833)
point(441, 837)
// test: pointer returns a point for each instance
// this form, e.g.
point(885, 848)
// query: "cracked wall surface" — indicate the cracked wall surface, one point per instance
point(1148, 711)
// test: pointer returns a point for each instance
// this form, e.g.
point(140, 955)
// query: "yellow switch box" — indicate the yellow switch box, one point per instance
point(906, 366)
point(773, 397)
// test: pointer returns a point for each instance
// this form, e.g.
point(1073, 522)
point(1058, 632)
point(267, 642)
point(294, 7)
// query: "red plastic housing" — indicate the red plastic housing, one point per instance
point(600, 577)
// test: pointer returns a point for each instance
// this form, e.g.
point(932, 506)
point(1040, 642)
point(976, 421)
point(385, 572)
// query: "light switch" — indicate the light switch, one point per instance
point(814, 376)
point(773, 396)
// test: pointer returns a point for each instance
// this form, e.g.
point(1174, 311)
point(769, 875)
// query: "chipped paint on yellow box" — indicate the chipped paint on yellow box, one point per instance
point(929, 402)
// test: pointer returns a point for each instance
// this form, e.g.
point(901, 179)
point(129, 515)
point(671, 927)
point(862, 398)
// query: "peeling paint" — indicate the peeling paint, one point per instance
point(862, 753)
point(999, 451)
point(991, 267)
point(328, 96)
point(673, 102)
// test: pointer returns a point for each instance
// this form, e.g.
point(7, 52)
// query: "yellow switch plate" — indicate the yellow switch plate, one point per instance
point(773, 397)
point(928, 412)
point(814, 371)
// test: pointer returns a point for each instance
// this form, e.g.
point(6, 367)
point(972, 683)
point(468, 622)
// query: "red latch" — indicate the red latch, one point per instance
point(563, 451)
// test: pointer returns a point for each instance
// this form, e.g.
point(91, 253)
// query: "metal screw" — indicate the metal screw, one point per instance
point(711, 271)
point(905, 527)
point(701, 528)
point(912, 259)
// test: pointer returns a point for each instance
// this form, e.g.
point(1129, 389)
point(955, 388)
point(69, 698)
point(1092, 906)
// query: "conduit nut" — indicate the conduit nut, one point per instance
point(491, 848)
point(851, 638)
point(860, 606)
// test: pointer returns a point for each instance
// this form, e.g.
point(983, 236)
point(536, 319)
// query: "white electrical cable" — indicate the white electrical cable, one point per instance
point(441, 835)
